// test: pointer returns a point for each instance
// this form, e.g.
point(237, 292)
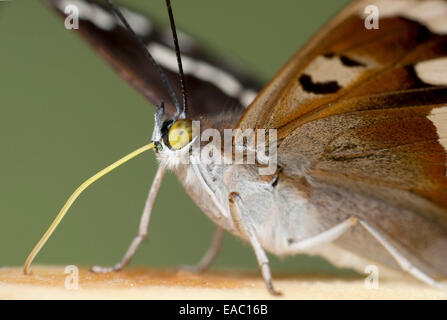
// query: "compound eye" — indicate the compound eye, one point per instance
point(180, 134)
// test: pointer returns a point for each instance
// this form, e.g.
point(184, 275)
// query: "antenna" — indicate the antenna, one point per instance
point(151, 58)
point(179, 59)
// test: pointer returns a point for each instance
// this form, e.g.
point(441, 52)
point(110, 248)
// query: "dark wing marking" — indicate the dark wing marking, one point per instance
point(361, 62)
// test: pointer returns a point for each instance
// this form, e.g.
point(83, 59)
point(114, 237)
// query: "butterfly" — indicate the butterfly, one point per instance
point(360, 115)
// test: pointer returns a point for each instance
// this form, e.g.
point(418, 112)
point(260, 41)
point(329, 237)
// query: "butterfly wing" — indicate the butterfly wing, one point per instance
point(362, 115)
point(214, 86)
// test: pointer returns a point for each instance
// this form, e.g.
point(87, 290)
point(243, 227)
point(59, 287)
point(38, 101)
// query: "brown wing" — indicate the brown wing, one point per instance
point(356, 94)
point(362, 114)
point(345, 61)
point(207, 92)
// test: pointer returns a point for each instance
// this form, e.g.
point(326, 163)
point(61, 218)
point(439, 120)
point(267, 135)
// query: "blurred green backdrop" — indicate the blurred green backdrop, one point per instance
point(65, 114)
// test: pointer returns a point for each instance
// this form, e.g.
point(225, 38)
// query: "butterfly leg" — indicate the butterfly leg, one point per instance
point(246, 228)
point(324, 237)
point(142, 230)
point(210, 255)
point(403, 262)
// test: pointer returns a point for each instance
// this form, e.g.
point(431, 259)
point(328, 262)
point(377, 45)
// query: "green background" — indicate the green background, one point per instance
point(65, 115)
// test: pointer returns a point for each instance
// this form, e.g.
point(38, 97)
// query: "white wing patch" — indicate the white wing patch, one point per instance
point(439, 118)
point(166, 57)
point(106, 20)
point(326, 69)
point(433, 71)
point(139, 23)
point(430, 13)
point(185, 41)
point(247, 97)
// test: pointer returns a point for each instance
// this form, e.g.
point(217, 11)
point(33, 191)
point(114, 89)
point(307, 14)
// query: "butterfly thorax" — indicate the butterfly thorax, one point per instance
point(280, 211)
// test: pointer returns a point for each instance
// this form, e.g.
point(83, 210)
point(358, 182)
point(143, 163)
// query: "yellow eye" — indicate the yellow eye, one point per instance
point(180, 134)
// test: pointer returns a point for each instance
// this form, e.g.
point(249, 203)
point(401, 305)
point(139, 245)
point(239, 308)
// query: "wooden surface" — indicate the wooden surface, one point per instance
point(48, 282)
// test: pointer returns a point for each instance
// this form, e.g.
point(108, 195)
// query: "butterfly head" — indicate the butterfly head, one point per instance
point(180, 134)
point(173, 134)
